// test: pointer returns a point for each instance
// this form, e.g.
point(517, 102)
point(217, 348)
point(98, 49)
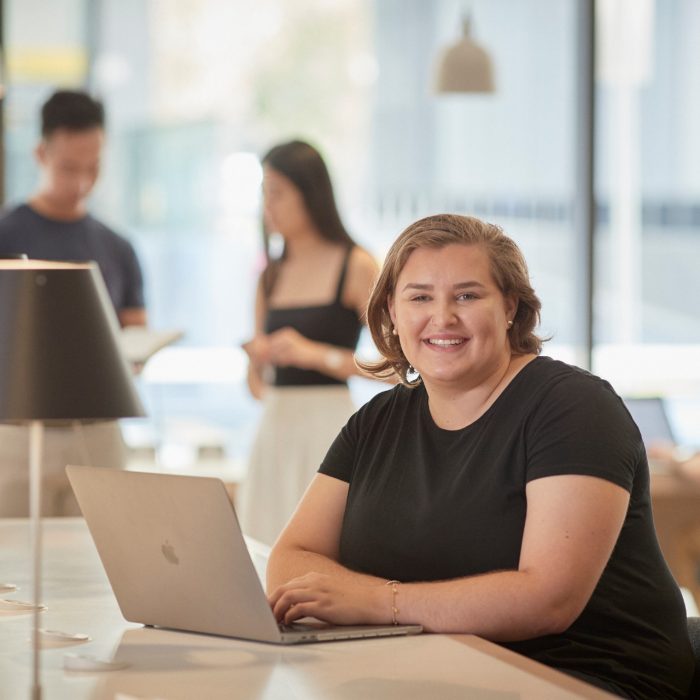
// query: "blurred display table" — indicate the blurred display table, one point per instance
point(676, 506)
point(176, 665)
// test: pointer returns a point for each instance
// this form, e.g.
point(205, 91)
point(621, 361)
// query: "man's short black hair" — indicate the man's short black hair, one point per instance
point(73, 110)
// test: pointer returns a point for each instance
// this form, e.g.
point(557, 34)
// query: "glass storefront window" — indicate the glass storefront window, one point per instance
point(195, 92)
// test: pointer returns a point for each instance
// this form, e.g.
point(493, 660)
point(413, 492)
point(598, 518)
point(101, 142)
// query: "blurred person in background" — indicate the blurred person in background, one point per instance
point(309, 310)
point(677, 460)
point(54, 224)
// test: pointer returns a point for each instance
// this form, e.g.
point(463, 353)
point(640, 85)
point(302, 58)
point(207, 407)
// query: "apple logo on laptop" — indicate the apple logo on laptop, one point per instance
point(169, 552)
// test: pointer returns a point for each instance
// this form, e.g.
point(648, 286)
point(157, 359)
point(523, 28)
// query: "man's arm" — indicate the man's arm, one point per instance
point(132, 317)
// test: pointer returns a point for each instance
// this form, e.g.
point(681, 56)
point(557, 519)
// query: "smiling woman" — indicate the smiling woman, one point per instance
point(507, 492)
point(441, 252)
point(444, 313)
point(453, 331)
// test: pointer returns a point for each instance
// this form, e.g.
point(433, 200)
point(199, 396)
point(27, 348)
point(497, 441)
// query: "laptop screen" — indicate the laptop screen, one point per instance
point(650, 416)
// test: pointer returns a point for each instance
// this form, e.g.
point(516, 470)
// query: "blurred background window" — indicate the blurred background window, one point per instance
point(196, 90)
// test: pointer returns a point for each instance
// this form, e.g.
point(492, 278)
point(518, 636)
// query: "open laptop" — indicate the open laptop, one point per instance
point(175, 557)
point(649, 413)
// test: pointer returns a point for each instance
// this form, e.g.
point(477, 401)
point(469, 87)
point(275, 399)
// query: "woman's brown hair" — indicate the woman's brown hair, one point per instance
point(508, 268)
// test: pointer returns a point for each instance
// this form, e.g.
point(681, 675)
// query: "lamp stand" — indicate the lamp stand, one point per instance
point(36, 435)
point(60, 359)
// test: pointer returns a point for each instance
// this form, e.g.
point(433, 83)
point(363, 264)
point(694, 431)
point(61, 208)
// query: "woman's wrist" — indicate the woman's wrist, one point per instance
point(328, 359)
point(333, 359)
point(381, 603)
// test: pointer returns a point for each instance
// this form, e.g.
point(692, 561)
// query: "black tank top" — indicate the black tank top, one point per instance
point(334, 324)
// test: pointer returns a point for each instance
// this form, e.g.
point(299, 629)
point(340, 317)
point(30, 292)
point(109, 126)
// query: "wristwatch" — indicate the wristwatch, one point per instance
point(333, 359)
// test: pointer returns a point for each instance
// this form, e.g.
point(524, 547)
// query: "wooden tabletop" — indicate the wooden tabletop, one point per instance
point(676, 506)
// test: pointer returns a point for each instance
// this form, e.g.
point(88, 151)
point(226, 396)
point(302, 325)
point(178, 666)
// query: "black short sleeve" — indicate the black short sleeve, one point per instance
point(580, 426)
point(340, 458)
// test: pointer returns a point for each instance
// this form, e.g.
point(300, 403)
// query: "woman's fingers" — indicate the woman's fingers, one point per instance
point(257, 349)
point(289, 600)
point(289, 594)
point(288, 347)
point(322, 597)
point(281, 590)
point(297, 612)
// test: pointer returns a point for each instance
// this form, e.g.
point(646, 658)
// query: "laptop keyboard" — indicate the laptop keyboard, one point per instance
point(297, 627)
point(302, 627)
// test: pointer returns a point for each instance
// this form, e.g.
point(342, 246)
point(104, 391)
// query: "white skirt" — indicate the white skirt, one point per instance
point(297, 427)
point(98, 444)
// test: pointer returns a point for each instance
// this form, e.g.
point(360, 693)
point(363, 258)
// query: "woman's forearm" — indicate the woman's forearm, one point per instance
point(504, 606)
point(334, 361)
point(501, 606)
point(288, 563)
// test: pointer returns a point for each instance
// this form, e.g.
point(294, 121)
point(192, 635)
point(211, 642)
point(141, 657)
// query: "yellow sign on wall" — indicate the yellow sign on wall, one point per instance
point(57, 64)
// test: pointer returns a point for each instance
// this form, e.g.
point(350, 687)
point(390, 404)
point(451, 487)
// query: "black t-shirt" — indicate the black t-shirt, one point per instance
point(333, 324)
point(427, 504)
point(24, 230)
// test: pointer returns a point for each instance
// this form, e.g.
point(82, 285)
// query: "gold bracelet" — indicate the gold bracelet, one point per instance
point(394, 609)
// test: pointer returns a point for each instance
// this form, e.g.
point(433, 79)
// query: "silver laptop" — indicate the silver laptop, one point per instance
point(175, 557)
point(649, 413)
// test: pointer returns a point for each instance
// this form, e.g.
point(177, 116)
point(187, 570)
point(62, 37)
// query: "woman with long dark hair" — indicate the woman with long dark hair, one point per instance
point(309, 310)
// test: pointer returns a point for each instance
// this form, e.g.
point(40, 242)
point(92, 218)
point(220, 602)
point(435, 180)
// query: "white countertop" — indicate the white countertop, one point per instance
point(169, 665)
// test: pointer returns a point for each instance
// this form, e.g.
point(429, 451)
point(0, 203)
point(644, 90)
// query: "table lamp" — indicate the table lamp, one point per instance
point(59, 360)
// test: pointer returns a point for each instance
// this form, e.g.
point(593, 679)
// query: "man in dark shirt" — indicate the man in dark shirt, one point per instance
point(54, 224)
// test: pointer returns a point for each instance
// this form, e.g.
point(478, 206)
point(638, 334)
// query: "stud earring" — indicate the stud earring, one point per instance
point(394, 331)
point(510, 325)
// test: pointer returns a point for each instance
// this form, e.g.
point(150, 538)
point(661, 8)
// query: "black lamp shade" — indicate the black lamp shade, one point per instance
point(59, 354)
